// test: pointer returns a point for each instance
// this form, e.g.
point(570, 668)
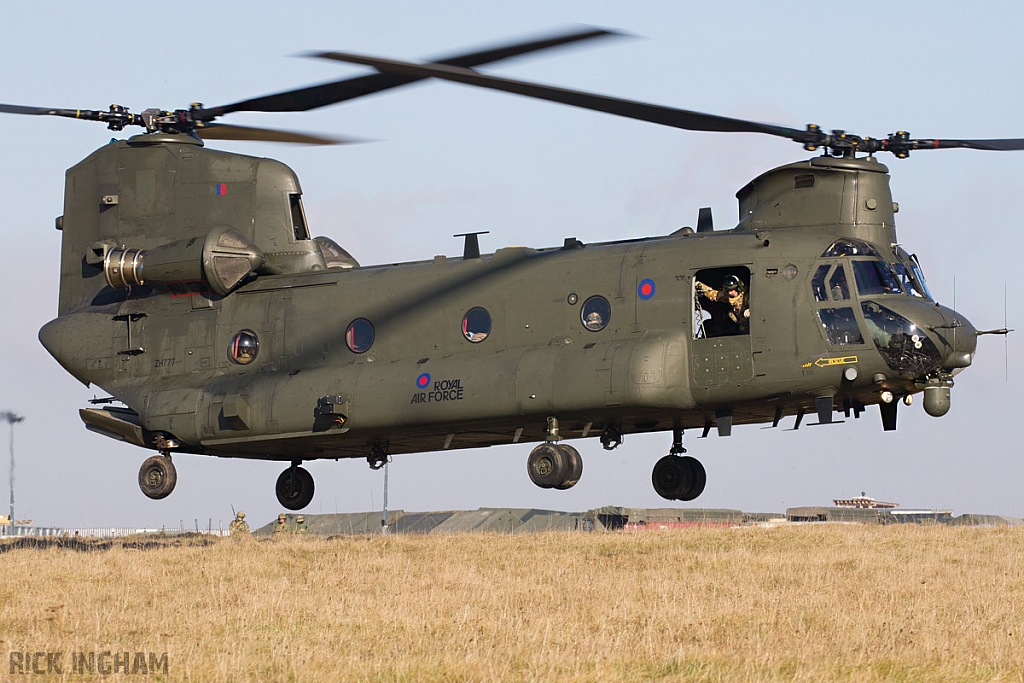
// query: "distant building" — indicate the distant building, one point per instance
point(863, 501)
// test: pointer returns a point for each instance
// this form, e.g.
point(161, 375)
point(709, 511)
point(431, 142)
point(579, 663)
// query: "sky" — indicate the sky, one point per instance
point(448, 159)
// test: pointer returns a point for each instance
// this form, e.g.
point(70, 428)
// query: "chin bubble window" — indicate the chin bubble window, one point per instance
point(359, 336)
point(244, 347)
point(476, 324)
point(596, 313)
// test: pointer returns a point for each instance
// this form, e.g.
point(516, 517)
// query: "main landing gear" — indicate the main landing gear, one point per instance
point(678, 476)
point(157, 476)
point(295, 487)
point(553, 465)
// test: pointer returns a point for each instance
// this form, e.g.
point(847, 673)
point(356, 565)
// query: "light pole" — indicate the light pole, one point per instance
point(10, 418)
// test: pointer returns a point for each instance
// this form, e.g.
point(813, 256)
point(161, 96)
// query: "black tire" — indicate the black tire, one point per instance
point(157, 477)
point(548, 466)
point(575, 466)
point(295, 493)
point(671, 478)
point(698, 478)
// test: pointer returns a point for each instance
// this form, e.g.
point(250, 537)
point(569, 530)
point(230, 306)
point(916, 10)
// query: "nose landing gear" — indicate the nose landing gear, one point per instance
point(295, 487)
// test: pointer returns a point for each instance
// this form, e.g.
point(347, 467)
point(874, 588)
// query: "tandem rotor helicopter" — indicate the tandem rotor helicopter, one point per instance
point(192, 291)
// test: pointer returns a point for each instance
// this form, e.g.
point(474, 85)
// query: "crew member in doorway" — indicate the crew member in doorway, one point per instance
point(733, 296)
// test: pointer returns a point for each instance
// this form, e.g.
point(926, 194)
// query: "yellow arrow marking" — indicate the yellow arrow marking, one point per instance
point(826, 362)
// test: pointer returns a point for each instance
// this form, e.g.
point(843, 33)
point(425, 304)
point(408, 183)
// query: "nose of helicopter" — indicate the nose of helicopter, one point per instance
point(961, 341)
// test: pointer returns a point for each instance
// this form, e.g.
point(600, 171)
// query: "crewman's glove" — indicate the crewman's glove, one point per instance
point(746, 313)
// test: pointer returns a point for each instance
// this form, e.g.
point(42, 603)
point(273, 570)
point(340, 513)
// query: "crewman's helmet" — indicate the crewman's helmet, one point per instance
point(732, 282)
point(300, 519)
point(281, 517)
point(240, 515)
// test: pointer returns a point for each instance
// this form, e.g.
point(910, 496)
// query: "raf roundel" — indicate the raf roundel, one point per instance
point(645, 289)
point(423, 381)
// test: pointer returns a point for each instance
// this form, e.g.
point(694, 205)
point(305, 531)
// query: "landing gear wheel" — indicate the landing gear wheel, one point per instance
point(157, 477)
point(295, 488)
point(670, 477)
point(698, 478)
point(549, 465)
point(676, 478)
point(575, 466)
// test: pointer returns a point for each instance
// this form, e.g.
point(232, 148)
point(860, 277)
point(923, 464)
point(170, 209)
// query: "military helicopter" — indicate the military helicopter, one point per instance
point(192, 292)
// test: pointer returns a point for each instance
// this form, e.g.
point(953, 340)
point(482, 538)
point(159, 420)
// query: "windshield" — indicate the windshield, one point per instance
point(875, 277)
point(910, 274)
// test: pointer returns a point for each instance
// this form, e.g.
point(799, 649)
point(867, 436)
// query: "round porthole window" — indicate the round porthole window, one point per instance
point(596, 313)
point(476, 324)
point(244, 347)
point(359, 335)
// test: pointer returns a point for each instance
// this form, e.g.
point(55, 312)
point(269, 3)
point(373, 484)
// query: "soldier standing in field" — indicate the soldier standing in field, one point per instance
point(239, 526)
point(300, 525)
point(282, 524)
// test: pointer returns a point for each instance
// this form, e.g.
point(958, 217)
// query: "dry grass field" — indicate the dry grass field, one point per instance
point(801, 603)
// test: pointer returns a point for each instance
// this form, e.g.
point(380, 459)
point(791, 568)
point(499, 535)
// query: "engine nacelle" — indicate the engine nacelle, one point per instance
point(224, 260)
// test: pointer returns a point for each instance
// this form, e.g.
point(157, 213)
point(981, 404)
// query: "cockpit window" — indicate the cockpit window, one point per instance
point(837, 284)
point(919, 281)
point(299, 228)
point(847, 247)
point(905, 280)
point(840, 326)
point(818, 284)
point(875, 277)
point(904, 346)
point(910, 275)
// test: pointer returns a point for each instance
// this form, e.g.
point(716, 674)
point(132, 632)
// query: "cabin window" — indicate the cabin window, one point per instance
point(244, 347)
point(840, 326)
point(299, 228)
point(875, 277)
point(476, 324)
point(359, 335)
point(721, 302)
point(596, 313)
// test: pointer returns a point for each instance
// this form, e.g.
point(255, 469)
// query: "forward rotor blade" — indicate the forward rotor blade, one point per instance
point(316, 96)
point(666, 116)
point(219, 131)
point(87, 114)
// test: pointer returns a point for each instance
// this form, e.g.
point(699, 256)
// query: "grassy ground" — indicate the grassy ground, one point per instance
point(806, 603)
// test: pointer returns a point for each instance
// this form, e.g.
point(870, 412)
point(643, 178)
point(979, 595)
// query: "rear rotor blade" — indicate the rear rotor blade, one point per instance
point(666, 116)
point(316, 96)
point(1002, 145)
point(219, 131)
